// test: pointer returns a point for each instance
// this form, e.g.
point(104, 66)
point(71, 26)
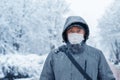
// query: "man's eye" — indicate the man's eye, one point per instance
point(71, 31)
point(78, 31)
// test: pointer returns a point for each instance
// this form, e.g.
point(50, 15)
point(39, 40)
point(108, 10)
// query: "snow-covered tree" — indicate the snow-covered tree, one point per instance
point(116, 51)
point(109, 26)
point(31, 26)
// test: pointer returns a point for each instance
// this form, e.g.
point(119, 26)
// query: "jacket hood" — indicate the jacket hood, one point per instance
point(73, 20)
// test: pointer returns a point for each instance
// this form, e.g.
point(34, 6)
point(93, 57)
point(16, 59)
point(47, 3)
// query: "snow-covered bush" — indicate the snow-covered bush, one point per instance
point(19, 66)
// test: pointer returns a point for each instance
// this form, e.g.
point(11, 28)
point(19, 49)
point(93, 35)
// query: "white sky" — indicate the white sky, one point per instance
point(90, 10)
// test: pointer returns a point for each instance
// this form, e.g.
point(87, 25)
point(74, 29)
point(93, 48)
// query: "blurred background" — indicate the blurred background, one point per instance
point(30, 29)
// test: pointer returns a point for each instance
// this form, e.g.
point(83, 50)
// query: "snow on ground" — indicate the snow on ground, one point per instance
point(18, 64)
point(116, 70)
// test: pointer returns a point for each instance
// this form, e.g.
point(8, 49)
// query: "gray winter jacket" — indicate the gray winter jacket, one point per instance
point(58, 66)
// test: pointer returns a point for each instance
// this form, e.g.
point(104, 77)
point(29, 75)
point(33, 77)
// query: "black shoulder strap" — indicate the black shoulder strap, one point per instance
point(78, 66)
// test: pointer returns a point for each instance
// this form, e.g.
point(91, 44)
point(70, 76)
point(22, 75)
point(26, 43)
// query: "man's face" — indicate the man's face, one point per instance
point(76, 29)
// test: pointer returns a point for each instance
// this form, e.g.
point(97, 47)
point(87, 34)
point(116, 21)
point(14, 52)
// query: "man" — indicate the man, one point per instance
point(59, 67)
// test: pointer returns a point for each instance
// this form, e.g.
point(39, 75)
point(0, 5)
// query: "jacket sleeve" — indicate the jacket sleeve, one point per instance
point(104, 71)
point(47, 72)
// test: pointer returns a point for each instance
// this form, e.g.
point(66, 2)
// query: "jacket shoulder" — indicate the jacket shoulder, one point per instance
point(94, 51)
point(93, 48)
point(59, 49)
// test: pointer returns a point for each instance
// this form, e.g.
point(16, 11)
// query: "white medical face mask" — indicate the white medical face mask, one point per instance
point(75, 38)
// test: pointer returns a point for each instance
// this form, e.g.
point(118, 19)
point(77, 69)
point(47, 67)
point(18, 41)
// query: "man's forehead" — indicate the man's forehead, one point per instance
point(76, 27)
